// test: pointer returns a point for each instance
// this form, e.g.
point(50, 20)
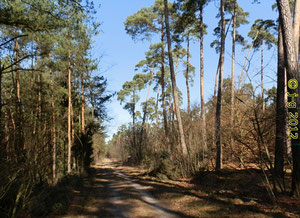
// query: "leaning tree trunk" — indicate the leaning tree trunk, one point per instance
point(219, 98)
point(174, 87)
point(281, 113)
point(69, 114)
point(232, 75)
point(203, 118)
point(293, 91)
point(246, 60)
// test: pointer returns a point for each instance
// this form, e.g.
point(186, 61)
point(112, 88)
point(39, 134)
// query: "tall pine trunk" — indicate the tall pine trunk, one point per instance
point(69, 113)
point(82, 104)
point(281, 113)
point(262, 75)
point(220, 87)
point(218, 68)
point(203, 116)
point(232, 75)
point(296, 27)
point(174, 87)
point(187, 75)
point(53, 126)
point(292, 73)
point(165, 115)
point(19, 146)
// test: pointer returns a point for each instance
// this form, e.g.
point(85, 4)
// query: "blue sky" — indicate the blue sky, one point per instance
point(119, 53)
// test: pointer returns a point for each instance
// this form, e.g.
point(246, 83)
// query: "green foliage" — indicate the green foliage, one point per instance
point(241, 19)
point(264, 29)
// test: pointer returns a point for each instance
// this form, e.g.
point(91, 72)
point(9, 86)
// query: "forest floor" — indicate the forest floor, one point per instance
point(115, 190)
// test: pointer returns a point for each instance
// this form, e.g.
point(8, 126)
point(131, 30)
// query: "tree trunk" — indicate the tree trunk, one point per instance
point(174, 87)
point(144, 117)
point(73, 138)
point(292, 73)
point(187, 76)
point(165, 115)
point(19, 146)
point(53, 127)
point(232, 76)
point(69, 114)
point(1, 128)
point(296, 27)
point(216, 80)
point(203, 116)
point(262, 75)
point(38, 109)
point(218, 68)
point(219, 98)
point(281, 113)
point(82, 105)
point(156, 108)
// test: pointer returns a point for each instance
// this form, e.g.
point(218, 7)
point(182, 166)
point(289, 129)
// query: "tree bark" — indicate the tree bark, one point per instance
point(144, 116)
point(262, 75)
point(19, 146)
point(73, 138)
point(1, 128)
point(187, 76)
point(69, 113)
point(232, 75)
point(156, 108)
point(165, 116)
point(219, 97)
point(281, 113)
point(174, 87)
point(203, 116)
point(216, 80)
point(53, 127)
point(292, 73)
point(296, 27)
point(82, 104)
point(218, 68)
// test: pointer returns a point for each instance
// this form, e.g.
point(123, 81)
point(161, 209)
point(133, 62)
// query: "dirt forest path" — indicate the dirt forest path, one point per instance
point(116, 190)
point(113, 194)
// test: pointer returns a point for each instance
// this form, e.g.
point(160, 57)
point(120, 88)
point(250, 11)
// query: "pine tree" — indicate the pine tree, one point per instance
point(220, 87)
point(292, 73)
point(264, 36)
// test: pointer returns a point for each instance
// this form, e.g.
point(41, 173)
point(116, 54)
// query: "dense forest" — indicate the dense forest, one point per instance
point(53, 99)
point(52, 104)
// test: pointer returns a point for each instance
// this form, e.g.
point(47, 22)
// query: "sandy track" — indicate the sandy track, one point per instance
point(113, 194)
point(131, 199)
